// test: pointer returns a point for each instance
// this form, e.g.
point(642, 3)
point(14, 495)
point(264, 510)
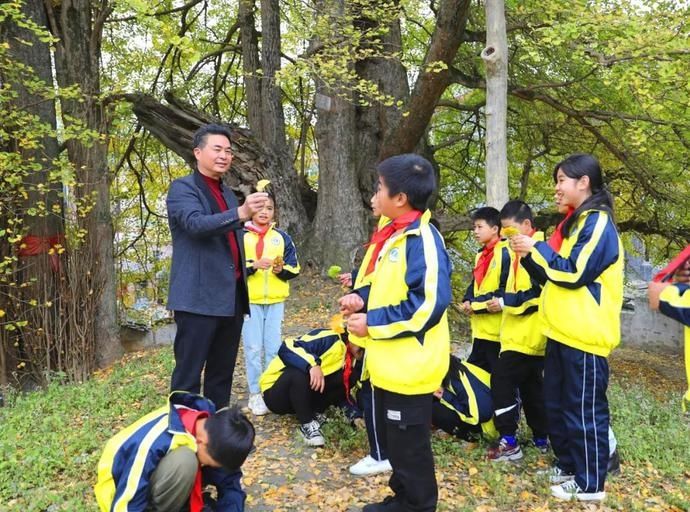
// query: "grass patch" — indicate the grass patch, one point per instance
point(50, 442)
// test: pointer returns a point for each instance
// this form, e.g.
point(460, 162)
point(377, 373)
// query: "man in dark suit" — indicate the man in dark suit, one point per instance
point(208, 291)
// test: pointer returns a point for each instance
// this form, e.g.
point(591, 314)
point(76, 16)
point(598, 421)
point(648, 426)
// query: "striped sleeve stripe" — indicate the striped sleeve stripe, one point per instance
point(674, 302)
point(136, 470)
point(300, 352)
point(593, 229)
point(418, 315)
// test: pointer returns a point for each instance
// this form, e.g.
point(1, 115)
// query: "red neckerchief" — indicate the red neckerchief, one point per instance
point(261, 234)
point(556, 239)
point(673, 266)
point(347, 372)
point(380, 237)
point(516, 264)
point(484, 261)
point(189, 418)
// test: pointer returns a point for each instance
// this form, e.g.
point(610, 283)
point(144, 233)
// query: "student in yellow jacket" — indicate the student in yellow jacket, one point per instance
point(376, 461)
point(580, 306)
point(305, 378)
point(403, 311)
point(673, 300)
point(161, 461)
point(489, 277)
point(520, 364)
point(271, 262)
point(463, 405)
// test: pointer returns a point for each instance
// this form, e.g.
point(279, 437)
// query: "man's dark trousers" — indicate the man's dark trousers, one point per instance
point(211, 342)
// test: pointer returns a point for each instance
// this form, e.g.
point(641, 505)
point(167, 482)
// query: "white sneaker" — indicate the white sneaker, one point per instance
point(556, 475)
point(257, 405)
point(370, 466)
point(311, 433)
point(571, 491)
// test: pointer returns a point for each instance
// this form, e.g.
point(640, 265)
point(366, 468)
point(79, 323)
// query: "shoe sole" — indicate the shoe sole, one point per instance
point(369, 473)
point(508, 458)
point(314, 442)
point(588, 496)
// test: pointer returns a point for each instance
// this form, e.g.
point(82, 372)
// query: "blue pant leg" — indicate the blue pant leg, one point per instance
point(252, 336)
point(586, 413)
point(377, 450)
point(273, 324)
point(553, 405)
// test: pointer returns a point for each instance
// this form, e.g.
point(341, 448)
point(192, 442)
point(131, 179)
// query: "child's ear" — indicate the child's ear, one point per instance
point(401, 199)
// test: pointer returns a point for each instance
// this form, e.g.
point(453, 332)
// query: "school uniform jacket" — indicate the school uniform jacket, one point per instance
point(521, 327)
point(319, 347)
point(468, 394)
point(581, 302)
point(674, 302)
point(266, 287)
point(486, 325)
point(406, 305)
point(131, 456)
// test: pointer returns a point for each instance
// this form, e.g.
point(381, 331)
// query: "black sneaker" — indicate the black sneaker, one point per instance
point(389, 504)
point(311, 432)
point(614, 467)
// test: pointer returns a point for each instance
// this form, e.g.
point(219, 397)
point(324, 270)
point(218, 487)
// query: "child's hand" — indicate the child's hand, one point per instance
point(653, 291)
point(467, 307)
point(438, 393)
point(263, 264)
point(682, 275)
point(494, 305)
point(521, 244)
point(345, 279)
point(357, 324)
point(317, 381)
point(277, 268)
point(350, 303)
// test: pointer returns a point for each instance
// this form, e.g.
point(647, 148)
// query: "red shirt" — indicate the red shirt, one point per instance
point(214, 186)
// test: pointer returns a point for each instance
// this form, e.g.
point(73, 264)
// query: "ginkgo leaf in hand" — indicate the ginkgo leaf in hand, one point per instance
point(262, 184)
point(333, 271)
point(338, 323)
point(509, 231)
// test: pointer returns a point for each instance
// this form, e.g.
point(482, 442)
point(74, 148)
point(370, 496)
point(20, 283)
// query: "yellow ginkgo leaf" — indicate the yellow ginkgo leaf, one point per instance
point(338, 323)
point(262, 184)
point(509, 231)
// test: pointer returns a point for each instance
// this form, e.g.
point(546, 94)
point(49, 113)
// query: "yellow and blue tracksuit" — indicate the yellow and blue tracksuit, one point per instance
point(406, 304)
point(520, 365)
point(266, 287)
point(131, 456)
point(407, 354)
point(261, 332)
point(486, 325)
point(674, 302)
point(467, 396)
point(319, 347)
point(521, 327)
point(286, 382)
point(580, 308)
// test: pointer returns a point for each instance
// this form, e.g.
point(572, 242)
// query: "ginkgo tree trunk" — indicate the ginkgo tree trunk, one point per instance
point(495, 57)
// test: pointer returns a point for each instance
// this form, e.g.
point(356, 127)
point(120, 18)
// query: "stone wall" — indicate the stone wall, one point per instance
point(641, 327)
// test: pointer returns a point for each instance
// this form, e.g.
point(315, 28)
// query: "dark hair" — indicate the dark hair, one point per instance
point(517, 210)
point(410, 174)
point(202, 134)
point(577, 166)
point(230, 437)
point(488, 214)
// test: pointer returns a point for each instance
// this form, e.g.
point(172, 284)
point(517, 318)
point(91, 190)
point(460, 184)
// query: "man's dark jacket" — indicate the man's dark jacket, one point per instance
point(202, 277)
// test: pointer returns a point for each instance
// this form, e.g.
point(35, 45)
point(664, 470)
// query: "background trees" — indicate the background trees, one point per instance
point(326, 88)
